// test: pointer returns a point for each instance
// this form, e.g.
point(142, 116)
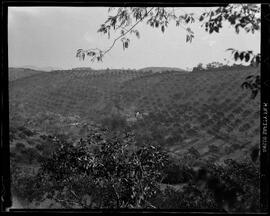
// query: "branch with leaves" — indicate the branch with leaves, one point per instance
point(97, 54)
point(240, 16)
point(252, 82)
point(248, 56)
point(123, 21)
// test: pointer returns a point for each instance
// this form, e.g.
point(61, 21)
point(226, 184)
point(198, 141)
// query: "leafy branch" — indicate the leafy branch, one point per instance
point(129, 30)
point(252, 82)
point(247, 56)
point(161, 18)
point(245, 16)
point(98, 54)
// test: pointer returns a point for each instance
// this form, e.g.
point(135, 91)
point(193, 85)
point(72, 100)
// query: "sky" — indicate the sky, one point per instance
point(50, 36)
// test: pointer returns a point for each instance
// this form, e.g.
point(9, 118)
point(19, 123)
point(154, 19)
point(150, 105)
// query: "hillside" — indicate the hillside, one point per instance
point(46, 69)
point(17, 73)
point(82, 68)
point(161, 69)
point(206, 111)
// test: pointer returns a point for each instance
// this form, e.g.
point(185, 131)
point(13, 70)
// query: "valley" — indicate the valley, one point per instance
point(199, 118)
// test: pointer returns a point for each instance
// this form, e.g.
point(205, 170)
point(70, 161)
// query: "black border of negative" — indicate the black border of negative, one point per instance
point(5, 201)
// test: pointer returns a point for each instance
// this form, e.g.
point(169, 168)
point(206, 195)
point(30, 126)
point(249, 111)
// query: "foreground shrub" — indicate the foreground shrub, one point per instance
point(232, 187)
point(117, 177)
point(110, 171)
point(176, 173)
point(25, 183)
point(189, 197)
point(235, 185)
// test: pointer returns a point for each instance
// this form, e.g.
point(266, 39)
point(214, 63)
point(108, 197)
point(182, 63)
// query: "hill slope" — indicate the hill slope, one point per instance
point(46, 69)
point(206, 111)
point(161, 69)
point(17, 73)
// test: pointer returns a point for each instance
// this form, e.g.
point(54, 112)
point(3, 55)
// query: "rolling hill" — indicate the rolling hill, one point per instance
point(161, 69)
point(207, 111)
point(17, 73)
point(38, 68)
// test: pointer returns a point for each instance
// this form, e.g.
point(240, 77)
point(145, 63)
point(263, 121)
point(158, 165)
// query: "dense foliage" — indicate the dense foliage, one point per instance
point(217, 66)
point(106, 170)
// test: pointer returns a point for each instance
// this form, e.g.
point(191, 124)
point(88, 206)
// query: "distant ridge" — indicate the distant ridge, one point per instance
point(18, 73)
point(161, 69)
point(46, 69)
point(82, 68)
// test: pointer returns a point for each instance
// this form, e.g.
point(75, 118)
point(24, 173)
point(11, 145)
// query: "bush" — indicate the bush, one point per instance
point(108, 170)
point(25, 184)
point(190, 197)
point(176, 173)
point(235, 185)
point(123, 178)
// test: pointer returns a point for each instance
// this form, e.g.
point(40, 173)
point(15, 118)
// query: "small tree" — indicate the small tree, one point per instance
point(199, 67)
point(214, 65)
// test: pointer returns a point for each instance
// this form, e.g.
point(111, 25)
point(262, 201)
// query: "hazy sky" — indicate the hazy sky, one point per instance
point(50, 36)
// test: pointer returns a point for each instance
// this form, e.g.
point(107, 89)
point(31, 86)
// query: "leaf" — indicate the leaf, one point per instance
point(245, 85)
point(241, 56)
point(191, 36)
point(126, 44)
point(237, 28)
point(137, 34)
point(201, 18)
point(236, 56)
point(187, 38)
point(91, 53)
point(231, 49)
point(83, 55)
point(250, 76)
point(78, 54)
point(254, 94)
point(258, 60)
point(162, 29)
point(247, 57)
